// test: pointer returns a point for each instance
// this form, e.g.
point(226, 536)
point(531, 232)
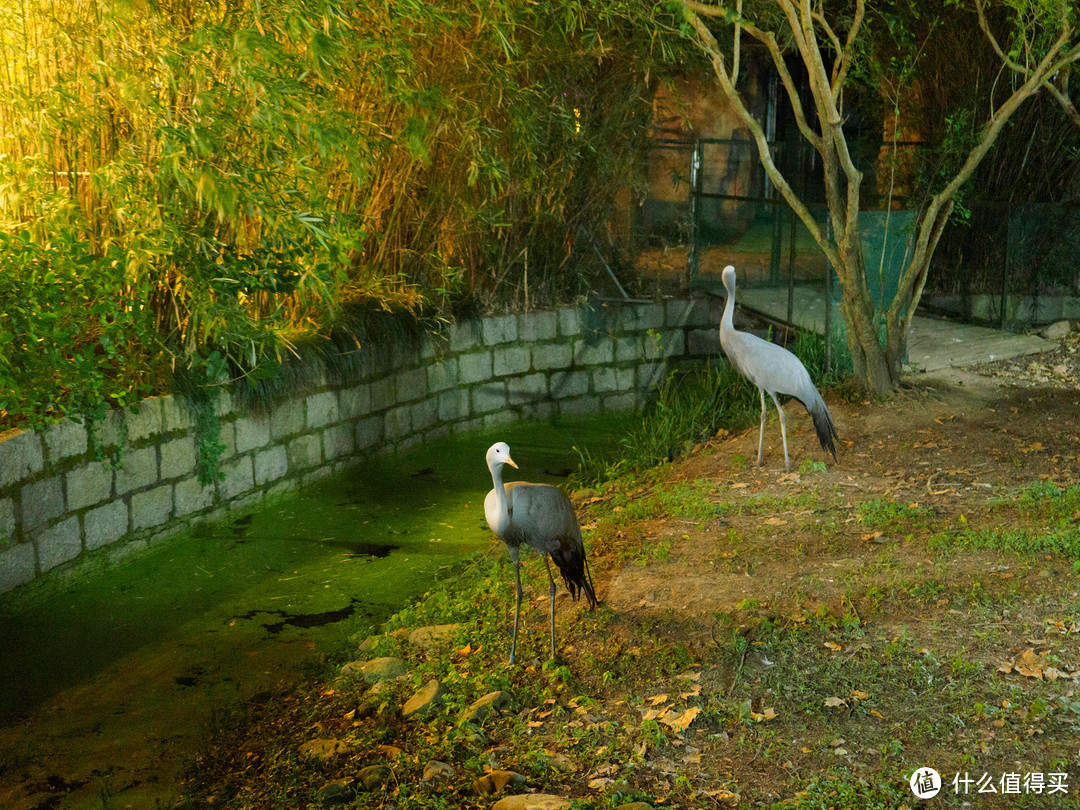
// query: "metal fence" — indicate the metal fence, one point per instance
point(710, 203)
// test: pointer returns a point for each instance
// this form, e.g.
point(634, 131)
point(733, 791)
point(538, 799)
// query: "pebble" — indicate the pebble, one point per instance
point(436, 771)
point(338, 791)
point(373, 776)
point(427, 698)
point(492, 702)
point(531, 801)
point(323, 748)
point(497, 781)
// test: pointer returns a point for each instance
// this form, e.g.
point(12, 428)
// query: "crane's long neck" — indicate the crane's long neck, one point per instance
point(502, 504)
point(726, 321)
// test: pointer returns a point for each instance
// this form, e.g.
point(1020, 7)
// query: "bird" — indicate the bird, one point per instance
point(774, 369)
point(541, 516)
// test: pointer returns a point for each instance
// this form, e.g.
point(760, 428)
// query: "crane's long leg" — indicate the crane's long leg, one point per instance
point(761, 429)
point(551, 594)
point(517, 604)
point(783, 429)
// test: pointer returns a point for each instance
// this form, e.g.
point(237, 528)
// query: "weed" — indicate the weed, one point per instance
point(879, 513)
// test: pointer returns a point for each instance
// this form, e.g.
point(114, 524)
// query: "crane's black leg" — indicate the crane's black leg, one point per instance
point(551, 594)
point(783, 430)
point(517, 604)
point(761, 429)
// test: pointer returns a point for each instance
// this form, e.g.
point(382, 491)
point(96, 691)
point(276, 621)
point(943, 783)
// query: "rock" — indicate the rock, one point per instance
point(436, 771)
point(531, 801)
point(368, 644)
point(428, 637)
point(373, 777)
point(635, 806)
point(491, 703)
point(562, 763)
point(323, 748)
point(339, 791)
point(377, 669)
point(497, 781)
point(1056, 331)
point(385, 686)
point(427, 698)
point(401, 633)
point(391, 752)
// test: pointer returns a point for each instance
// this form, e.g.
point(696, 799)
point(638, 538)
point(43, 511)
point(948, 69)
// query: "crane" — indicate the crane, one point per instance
point(541, 516)
point(774, 369)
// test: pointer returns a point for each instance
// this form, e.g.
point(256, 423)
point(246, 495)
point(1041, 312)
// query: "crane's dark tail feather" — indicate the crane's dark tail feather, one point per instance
point(575, 572)
point(824, 427)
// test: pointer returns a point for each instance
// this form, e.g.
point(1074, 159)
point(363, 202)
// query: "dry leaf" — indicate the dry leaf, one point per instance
point(859, 694)
point(681, 722)
point(775, 521)
point(834, 702)
point(832, 645)
point(656, 699)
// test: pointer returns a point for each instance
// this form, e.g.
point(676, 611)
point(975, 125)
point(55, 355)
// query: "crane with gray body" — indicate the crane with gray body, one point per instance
point(541, 516)
point(773, 369)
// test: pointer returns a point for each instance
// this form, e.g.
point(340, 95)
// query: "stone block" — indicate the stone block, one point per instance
point(382, 394)
point(425, 414)
point(564, 384)
point(579, 406)
point(338, 441)
point(238, 477)
point(648, 375)
point(369, 432)
point(538, 410)
point(672, 344)
point(411, 384)
point(41, 501)
point(464, 336)
point(287, 418)
point(600, 353)
point(537, 326)
point(629, 348)
point(488, 398)
point(251, 432)
point(704, 343)
point(624, 378)
point(304, 452)
point(511, 360)
point(109, 431)
point(270, 464)
point(174, 415)
point(16, 565)
point(224, 403)
point(21, 456)
point(88, 485)
point(552, 356)
point(454, 405)
point(106, 524)
point(322, 409)
point(499, 418)
point(569, 322)
point(442, 375)
point(138, 469)
point(603, 380)
point(144, 420)
point(191, 497)
point(527, 388)
point(177, 458)
point(620, 402)
point(355, 401)
point(152, 507)
point(646, 316)
point(398, 423)
point(59, 543)
point(65, 439)
point(500, 329)
point(474, 367)
point(227, 438)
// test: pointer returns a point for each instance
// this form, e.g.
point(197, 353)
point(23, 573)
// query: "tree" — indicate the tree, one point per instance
point(828, 42)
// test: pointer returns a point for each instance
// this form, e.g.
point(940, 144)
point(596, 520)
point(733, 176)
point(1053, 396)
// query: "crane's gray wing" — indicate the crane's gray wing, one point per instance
point(776, 370)
point(543, 515)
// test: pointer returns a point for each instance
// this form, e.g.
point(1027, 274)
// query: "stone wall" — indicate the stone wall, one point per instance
point(61, 500)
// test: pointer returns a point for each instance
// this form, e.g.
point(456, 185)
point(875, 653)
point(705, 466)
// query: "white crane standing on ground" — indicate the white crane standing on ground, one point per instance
point(774, 369)
point(541, 516)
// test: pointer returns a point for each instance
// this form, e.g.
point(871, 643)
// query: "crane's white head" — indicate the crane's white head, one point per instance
point(729, 279)
point(498, 455)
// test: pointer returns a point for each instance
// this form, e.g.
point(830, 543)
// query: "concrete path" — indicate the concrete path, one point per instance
point(934, 343)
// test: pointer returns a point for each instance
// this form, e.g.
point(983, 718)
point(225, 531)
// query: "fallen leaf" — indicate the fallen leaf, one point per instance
point(681, 722)
point(834, 702)
point(858, 694)
point(832, 645)
point(775, 521)
point(657, 699)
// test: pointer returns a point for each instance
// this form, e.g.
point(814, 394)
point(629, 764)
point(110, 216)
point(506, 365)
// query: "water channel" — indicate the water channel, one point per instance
point(109, 678)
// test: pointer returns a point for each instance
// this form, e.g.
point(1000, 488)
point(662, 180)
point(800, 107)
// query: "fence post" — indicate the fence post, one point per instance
point(695, 225)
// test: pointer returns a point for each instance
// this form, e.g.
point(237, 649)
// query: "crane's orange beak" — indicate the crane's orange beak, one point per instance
point(510, 461)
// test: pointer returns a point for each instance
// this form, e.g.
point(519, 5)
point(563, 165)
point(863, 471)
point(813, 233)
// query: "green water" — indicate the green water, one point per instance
point(201, 622)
